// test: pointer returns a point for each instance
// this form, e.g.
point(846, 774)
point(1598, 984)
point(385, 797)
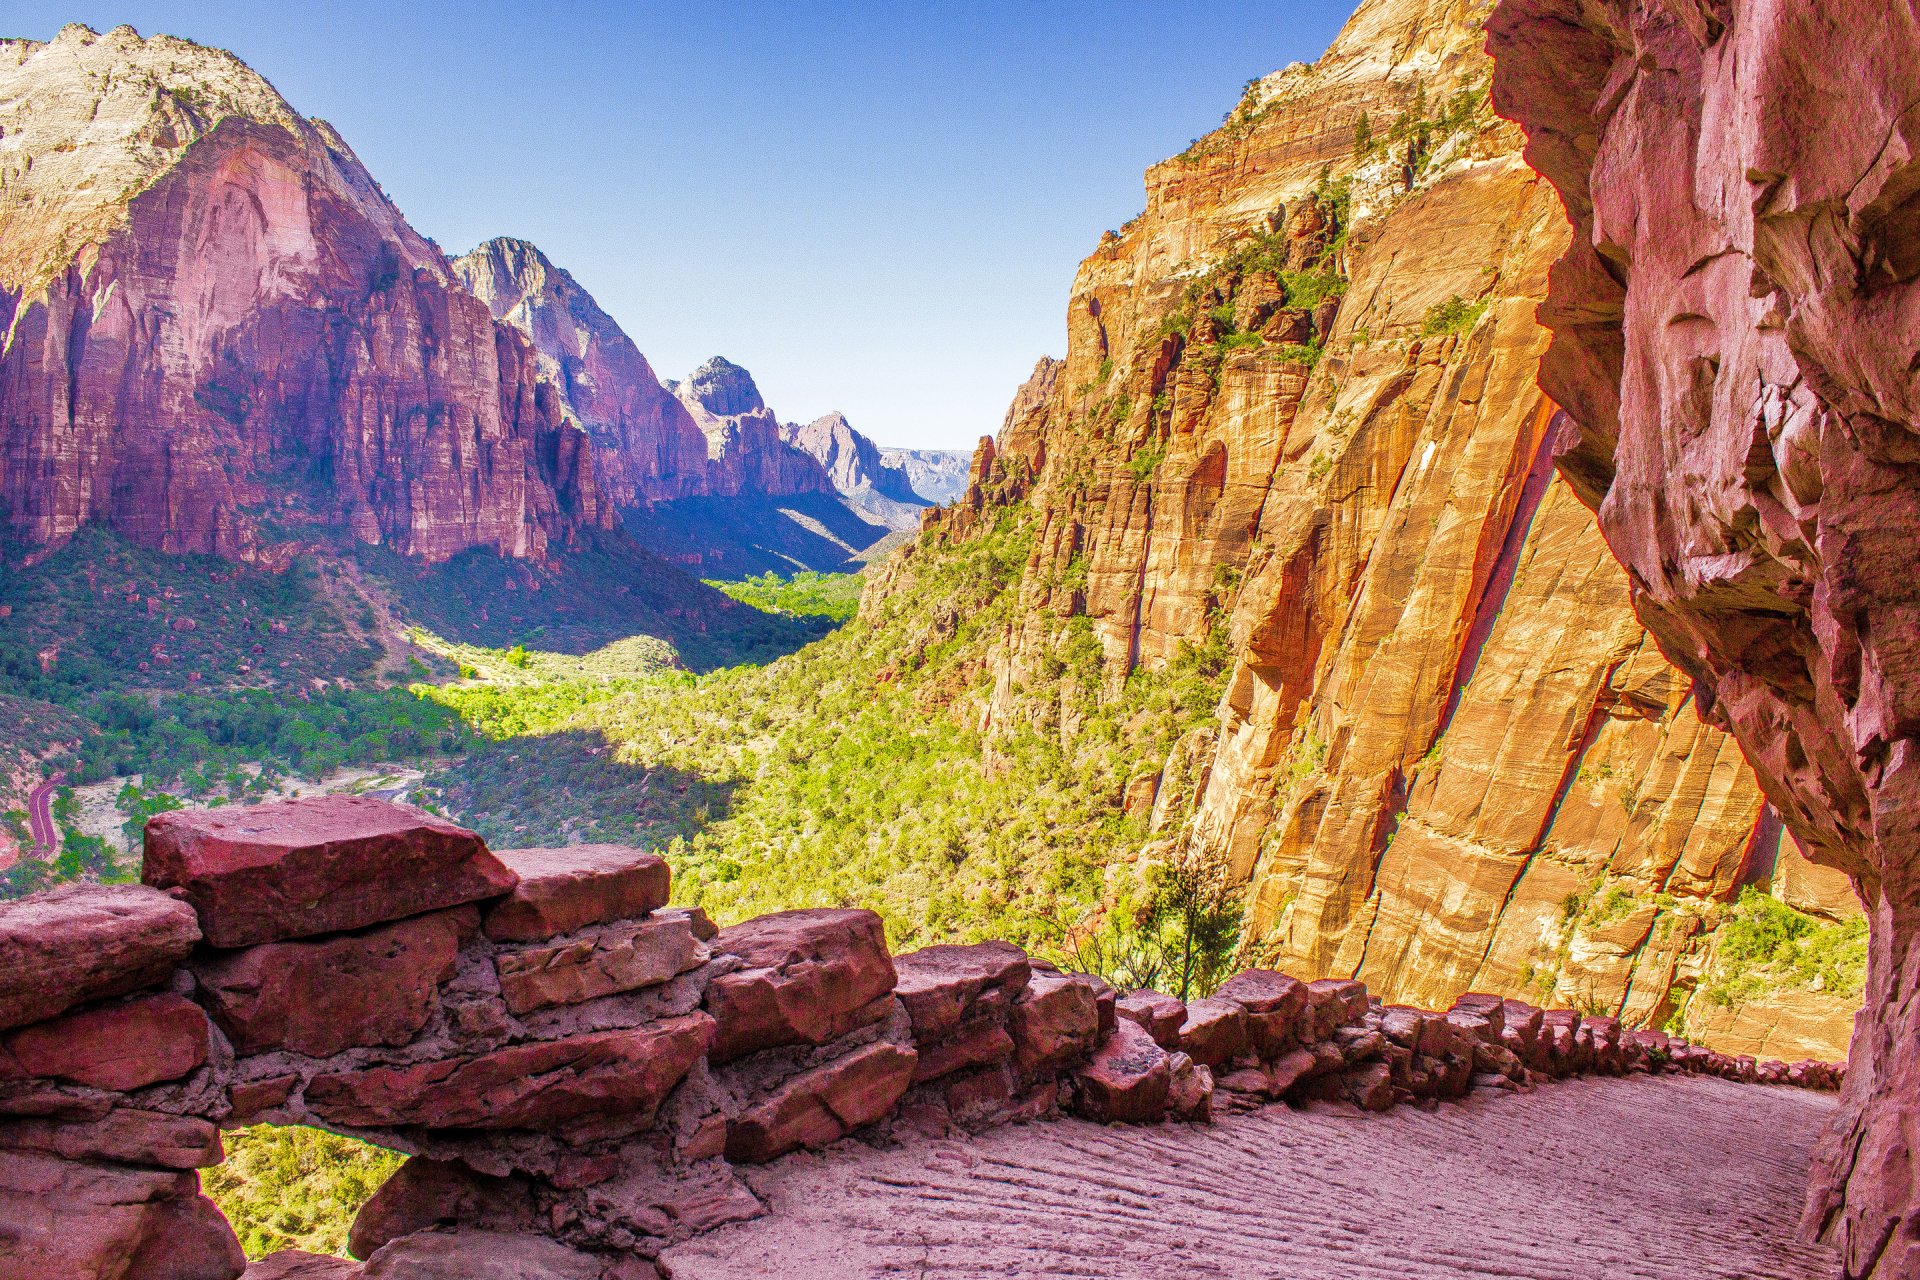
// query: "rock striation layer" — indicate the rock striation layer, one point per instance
point(221, 337)
point(1734, 323)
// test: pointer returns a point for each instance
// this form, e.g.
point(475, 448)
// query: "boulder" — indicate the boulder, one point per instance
point(263, 873)
point(1127, 1079)
point(423, 1194)
point(298, 1264)
point(942, 987)
point(87, 942)
point(538, 1086)
point(1161, 1015)
point(188, 1238)
point(481, 1255)
point(1215, 1032)
point(983, 1044)
point(319, 997)
point(1274, 1003)
point(809, 977)
point(1189, 1089)
point(1055, 1022)
point(1333, 1003)
point(619, 957)
point(1369, 1086)
point(126, 1135)
point(564, 889)
point(62, 1219)
point(118, 1046)
point(822, 1105)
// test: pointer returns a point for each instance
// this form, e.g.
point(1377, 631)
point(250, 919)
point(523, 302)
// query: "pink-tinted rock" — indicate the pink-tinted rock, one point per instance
point(1161, 1015)
point(298, 1264)
point(1215, 1031)
point(1275, 1005)
point(1126, 1080)
point(251, 1098)
point(622, 1074)
point(80, 943)
point(564, 889)
point(188, 1239)
point(1189, 1089)
point(481, 1255)
point(423, 1194)
point(981, 1045)
point(1054, 1022)
point(66, 1220)
point(1334, 1002)
point(942, 987)
point(318, 997)
point(809, 978)
point(125, 1134)
point(260, 873)
point(1370, 1086)
point(117, 1046)
point(822, 1105)
point(619, 957)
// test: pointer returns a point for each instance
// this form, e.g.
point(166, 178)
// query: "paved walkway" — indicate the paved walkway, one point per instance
point(1679, 1178)
point(46, 836)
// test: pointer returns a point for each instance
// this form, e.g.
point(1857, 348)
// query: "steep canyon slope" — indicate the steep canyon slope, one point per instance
point(221, 337)
point(1734, 326)
point(1297, 427)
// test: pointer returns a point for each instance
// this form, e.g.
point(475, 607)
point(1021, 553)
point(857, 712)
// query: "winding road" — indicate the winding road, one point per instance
point(46, 836)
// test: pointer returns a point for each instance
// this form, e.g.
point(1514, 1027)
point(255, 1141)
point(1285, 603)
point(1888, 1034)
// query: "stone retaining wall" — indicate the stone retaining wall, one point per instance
point(577, 1069)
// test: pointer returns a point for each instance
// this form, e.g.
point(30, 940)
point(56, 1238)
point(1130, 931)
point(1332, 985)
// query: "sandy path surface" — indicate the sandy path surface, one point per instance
point(1671, 1179)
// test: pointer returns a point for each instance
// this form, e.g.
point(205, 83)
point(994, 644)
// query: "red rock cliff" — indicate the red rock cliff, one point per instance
point(1734, 327)
point(1298, 418)
point(220, 336)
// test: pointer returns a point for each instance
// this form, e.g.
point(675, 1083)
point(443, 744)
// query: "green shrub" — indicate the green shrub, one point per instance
point(1455, 315)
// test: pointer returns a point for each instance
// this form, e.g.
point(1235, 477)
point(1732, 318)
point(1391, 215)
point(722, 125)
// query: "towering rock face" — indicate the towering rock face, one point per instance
point(220, 336)
point(745, 448)
point(1734, 327)
point(647, 446)
point(1298, 424)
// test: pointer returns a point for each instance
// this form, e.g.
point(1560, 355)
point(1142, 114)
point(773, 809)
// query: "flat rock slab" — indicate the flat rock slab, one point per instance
point(1632, 1179)
point(809, 977)
point(87, 942)
point(266, 872)
point(564, 889)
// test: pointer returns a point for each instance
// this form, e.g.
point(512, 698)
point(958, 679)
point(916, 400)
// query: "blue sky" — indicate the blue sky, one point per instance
point(876, 208)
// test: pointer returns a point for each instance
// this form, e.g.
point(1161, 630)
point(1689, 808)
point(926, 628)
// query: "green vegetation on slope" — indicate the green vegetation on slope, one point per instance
point(820, 595)
point(295, 1188)
point(1764, 944)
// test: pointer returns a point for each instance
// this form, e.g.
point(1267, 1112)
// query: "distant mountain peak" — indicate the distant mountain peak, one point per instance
point(723, 388)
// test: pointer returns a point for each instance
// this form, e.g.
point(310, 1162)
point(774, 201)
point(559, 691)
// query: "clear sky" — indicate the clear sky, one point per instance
point(875, 207)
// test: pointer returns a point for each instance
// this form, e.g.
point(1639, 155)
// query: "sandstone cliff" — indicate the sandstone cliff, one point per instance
point(646, 444)
point(220, 336)
point(1297, 424)
point(744, 439)
point(1734, 325)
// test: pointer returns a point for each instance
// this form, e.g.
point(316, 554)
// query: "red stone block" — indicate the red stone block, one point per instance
point(1215, 1032)
point(126, 1135)
point(1275, 1005)
point(529, 1086)
point(87, 942)
point(1126, 1080)
point(120, 1046)
point(822, 1105)
point(262, 873)
point(1161, 1015)
point(330, 994)
point(1055, 1022)
point(942, 987)
point(809, 978)
point(564, 889)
